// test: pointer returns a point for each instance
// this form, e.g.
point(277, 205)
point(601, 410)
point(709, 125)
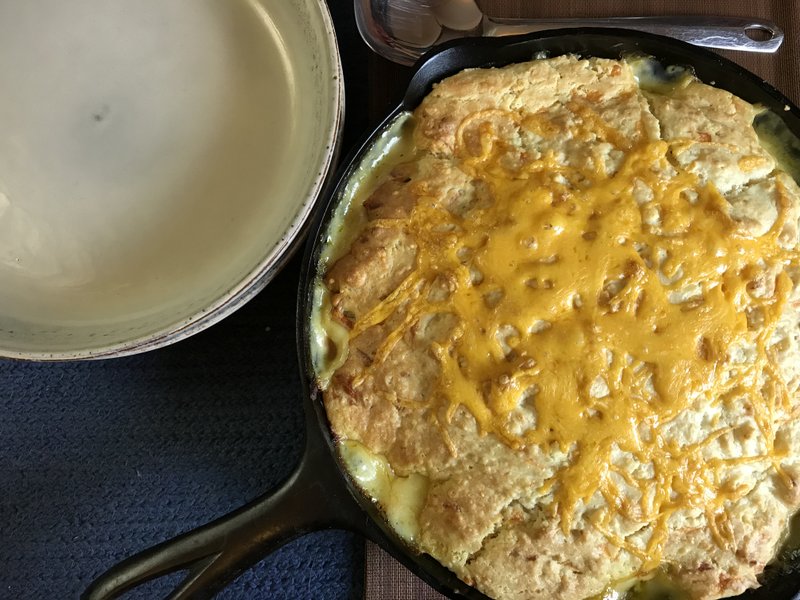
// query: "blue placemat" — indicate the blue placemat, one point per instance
point(99, 460)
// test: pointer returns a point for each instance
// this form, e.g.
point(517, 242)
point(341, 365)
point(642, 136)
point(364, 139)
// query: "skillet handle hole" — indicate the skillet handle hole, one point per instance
point(758, 33)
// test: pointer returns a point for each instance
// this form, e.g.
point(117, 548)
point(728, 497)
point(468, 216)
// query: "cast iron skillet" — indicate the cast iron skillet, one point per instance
point(319, 493)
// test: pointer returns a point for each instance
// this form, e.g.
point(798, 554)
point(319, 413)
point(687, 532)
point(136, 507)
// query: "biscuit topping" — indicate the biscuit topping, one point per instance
point(609, 300)
point(574, 314)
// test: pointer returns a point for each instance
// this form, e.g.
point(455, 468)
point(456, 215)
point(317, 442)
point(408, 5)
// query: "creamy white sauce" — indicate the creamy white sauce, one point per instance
point(400, 498)
point(657, 587)
point(652, 76)
point(779, 141)
point(329, 339)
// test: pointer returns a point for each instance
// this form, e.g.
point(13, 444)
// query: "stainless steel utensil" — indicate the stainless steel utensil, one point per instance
point(403, 30)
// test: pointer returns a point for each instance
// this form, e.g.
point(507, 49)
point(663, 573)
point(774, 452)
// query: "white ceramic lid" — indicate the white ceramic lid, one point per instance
point(157, 160)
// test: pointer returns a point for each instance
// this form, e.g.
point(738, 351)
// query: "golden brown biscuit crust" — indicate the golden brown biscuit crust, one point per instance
point(488, 514)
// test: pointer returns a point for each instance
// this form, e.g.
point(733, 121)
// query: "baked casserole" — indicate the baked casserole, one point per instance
point(567, 324)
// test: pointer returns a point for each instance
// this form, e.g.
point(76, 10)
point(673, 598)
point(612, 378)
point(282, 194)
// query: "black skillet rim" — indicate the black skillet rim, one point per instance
point(447, 60)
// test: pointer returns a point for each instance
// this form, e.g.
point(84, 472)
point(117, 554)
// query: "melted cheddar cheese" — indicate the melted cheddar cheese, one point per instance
point(602, 303)
point(559, 334)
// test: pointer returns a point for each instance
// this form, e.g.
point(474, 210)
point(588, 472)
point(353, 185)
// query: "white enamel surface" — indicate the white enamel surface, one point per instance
point(156, 158)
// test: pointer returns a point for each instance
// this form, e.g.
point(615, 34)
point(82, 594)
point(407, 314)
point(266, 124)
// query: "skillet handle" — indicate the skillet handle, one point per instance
point(314, 497)
point(725, 33)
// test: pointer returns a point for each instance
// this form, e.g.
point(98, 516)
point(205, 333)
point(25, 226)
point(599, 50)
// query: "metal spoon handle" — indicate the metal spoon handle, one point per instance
point(725, 33)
